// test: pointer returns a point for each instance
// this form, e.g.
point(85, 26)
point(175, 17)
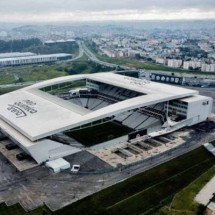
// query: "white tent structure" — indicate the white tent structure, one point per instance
point(58, 165)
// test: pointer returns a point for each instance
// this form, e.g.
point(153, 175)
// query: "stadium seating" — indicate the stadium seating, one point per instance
point(143, 117)
point(152, 112)
point(135, 119)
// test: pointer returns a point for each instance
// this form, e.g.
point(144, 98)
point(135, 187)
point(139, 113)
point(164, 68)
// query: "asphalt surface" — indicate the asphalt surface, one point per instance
point(93, 58)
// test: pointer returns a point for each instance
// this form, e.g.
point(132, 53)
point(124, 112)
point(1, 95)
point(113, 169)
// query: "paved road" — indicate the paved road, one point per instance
point(81, 52)
point(93, 58)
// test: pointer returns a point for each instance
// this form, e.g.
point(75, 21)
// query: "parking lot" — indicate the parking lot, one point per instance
point(12, 154)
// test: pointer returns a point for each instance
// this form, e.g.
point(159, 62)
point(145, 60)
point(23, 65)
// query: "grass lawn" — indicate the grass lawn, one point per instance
point(153, 196)
point(99, 133)
point(146, 190)
point(137, 64)
point(30, 73)
point(184, 200)
point(18, 210)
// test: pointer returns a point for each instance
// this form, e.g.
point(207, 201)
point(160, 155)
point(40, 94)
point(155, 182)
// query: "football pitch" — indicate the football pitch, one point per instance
point(99, 133)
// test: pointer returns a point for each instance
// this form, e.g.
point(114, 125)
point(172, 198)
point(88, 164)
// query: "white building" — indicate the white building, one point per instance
point(174, 63)
point(32, 115)
point(133, 53)
point(192, 64)
point(48, 42)
point(161, 60)
point(109, 53)
point(208, 68)
point(35, 59)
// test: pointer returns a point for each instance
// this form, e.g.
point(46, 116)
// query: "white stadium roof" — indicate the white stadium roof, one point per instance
point(41, 115)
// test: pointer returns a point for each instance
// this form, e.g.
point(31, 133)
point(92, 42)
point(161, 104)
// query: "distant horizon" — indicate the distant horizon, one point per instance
point(105, 21)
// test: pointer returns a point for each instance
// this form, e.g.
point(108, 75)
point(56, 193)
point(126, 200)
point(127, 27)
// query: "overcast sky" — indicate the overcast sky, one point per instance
point(98, 10)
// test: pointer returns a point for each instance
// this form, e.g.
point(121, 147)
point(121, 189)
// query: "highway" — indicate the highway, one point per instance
point(81, 53)
point(93, 58)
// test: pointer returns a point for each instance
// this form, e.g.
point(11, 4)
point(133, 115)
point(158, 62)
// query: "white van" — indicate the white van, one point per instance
point(75, 168)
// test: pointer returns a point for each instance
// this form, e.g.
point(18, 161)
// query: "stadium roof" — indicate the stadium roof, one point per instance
point(36, 114)
point(193, 99)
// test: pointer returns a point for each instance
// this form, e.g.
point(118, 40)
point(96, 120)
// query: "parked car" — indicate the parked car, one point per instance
point(11, 146)
point(22, 156)
point(75, 168)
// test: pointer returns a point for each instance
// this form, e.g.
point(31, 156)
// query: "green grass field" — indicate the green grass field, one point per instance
point(18, 210)
point(146, 190)
point(99, 133)
point(137, 64)
point(184, 200)
point(30, 73)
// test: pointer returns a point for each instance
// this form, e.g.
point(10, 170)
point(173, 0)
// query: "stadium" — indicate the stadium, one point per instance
point(101, 113)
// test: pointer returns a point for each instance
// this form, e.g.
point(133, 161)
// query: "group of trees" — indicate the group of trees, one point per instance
point(18, 45)
point(35, 45)
point(86, 67)
point(66, 47)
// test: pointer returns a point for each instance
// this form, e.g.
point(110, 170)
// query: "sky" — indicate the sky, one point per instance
point(104, 10)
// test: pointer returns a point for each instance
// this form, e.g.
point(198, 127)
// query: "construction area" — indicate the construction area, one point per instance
point(136, 150)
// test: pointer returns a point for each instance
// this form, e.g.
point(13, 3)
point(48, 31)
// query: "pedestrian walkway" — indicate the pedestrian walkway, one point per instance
point(206, 194)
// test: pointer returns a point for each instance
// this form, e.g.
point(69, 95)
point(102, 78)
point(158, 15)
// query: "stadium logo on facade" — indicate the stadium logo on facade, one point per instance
point(23, 108)
point(138, 82)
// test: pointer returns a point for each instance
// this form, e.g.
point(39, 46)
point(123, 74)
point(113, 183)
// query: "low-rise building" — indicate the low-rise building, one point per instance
point(174, 63)
point(161, 60)
point(36, 59)
point(208, 67)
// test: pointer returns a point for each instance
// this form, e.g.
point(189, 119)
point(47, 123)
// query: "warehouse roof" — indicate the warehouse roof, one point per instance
point(34, 57)
point(16, 54)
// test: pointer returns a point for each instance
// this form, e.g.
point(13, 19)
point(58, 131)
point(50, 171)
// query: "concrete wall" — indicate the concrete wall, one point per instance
point(201, 109)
